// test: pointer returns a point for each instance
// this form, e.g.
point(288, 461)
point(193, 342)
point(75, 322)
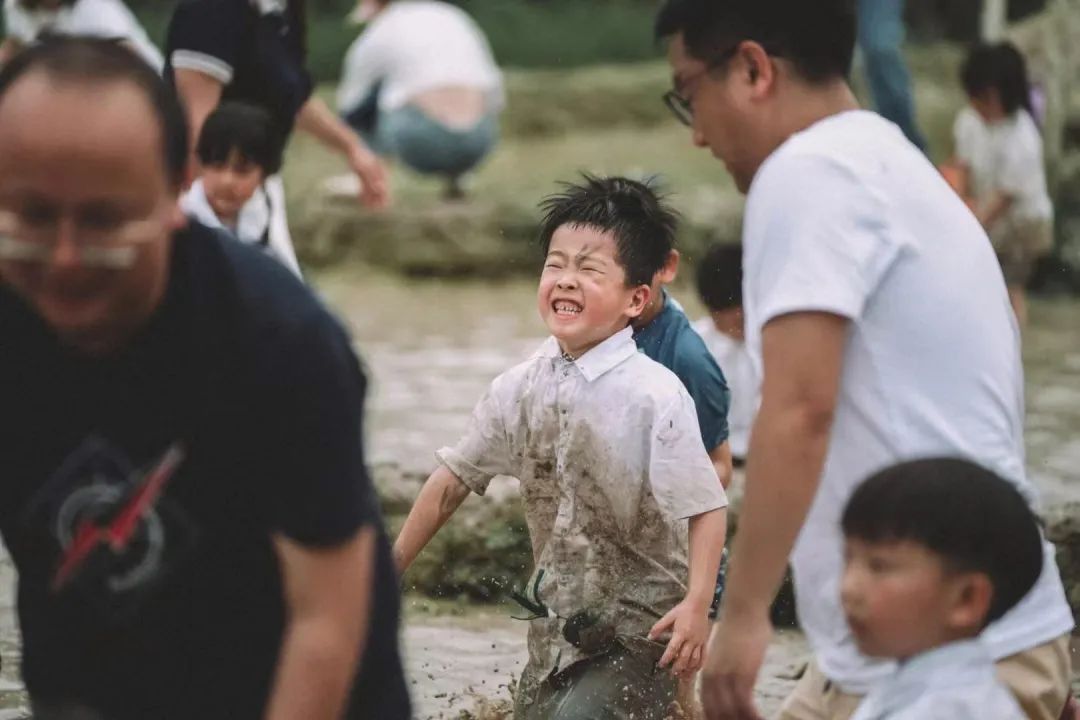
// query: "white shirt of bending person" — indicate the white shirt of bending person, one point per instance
point(109, 19)
point(847, 217)
point(611, 464)
point(956, 681)
point(734, 360)
point(1005, 156)
point(253, 224)
point(414, 46)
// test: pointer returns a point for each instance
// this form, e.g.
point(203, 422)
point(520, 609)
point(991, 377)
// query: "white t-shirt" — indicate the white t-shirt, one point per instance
point(1005, 157)
point(953, 682)
point(849, 218)
point(418, 45)
point(86, 18)
point(734, 360)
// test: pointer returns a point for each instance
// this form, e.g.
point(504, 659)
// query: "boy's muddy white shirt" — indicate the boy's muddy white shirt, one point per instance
point(611, 465)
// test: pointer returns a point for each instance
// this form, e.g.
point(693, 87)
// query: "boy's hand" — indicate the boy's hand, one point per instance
point(688, 623)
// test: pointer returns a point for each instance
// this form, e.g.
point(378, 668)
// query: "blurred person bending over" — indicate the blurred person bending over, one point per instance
point(420, 84)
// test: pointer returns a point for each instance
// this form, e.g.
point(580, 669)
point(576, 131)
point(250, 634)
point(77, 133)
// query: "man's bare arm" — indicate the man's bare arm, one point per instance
point(440, 497)
point(328, 599)
point(803, 357)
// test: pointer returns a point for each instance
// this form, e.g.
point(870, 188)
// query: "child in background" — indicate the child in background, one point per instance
point(239, 147)
point(625, 511)
point(719, 284)
point(936, 550)
point(998, 164)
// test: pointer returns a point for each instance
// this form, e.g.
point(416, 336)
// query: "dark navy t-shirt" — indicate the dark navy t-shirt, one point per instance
point(139, 493)
point(259, 58)
point(670, 341)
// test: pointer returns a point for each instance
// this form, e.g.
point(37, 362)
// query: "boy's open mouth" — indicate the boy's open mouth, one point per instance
point(567, 308)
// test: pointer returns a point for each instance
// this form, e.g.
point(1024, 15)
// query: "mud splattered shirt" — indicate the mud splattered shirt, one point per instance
point(611, 464)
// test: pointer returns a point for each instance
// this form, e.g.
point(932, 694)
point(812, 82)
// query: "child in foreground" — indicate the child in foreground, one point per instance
point(998, 164)
point(719, 285)
point(625, 511)
point(239, 147)
point(936, 550)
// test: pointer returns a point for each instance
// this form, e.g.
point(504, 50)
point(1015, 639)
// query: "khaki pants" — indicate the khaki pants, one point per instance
point(1039, 678)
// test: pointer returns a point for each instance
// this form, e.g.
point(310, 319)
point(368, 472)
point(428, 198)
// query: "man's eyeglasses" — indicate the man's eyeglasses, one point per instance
point(681, 106)
point(34, 241)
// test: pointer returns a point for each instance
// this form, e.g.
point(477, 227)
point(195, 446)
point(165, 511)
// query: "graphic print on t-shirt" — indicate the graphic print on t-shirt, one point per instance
point(116, 532)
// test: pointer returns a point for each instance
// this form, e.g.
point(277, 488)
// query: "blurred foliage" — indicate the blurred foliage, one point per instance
point(551, 33)
point(570, 33)
point(479, 555)
point(957, 19)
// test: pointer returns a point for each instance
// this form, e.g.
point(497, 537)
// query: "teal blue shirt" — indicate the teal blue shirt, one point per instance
point(670, 341)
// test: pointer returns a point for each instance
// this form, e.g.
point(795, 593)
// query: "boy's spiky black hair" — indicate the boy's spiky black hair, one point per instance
point(634, 212)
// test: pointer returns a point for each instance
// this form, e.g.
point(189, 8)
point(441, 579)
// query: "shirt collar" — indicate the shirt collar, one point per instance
point(251, 223)
point(605, 356)
point(940, 667)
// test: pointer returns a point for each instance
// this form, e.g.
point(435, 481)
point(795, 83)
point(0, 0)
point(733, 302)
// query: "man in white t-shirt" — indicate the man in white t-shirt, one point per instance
point(882, 328)
point(28, 21)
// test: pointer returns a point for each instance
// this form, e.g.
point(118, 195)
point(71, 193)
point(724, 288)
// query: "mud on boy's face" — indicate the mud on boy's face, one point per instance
point(583, 296)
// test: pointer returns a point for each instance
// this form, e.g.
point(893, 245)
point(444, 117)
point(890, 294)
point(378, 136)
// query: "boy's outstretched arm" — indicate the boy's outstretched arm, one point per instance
point(440, 497)
point(688, 621)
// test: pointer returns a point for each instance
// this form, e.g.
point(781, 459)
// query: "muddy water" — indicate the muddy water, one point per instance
point(432, 348)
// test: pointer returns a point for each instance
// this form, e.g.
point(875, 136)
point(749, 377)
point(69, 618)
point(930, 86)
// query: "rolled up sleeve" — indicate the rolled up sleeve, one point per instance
point(484, 451)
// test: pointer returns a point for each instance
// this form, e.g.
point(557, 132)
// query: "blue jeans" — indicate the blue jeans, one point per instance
point(423, 143)
point(881, 37)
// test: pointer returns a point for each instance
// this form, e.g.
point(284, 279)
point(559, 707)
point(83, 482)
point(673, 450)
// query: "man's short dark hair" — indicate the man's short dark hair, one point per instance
point(247, 129)
point(643, 224)
point(1000, 67)
point(91, 60)
point(816, 36)
point(973, 519)
point(719, 277)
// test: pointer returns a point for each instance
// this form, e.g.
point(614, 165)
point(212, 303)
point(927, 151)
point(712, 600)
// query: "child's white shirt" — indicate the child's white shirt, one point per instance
point(611, 464)
point(734, 360)
point(86, 18)
point(1007, 157)
point(952, 682)
point(253, 223)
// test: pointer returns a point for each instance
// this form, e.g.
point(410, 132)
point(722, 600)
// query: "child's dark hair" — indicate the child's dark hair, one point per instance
point(999, 67)
point(246, 129)
point(719, 277)
point(634, 212)
point(973, 519)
